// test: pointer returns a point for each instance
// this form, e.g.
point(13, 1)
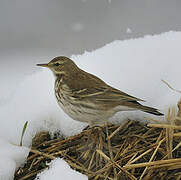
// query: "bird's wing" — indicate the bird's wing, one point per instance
point(104, 93)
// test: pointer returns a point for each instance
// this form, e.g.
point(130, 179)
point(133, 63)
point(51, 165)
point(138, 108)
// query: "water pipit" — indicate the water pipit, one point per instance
point(86, 98)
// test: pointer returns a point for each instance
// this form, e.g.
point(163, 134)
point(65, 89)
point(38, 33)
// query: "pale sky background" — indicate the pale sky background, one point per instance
point(73, 26)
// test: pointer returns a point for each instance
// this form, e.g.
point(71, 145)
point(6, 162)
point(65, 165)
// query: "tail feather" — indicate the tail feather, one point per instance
point(136, 105)
point(151, 110)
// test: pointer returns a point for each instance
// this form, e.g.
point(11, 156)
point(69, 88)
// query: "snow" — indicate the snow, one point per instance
point(11, 157)
point(135, 66)
point(60, 170)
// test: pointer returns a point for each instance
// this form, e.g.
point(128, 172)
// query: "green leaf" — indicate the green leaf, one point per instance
point(23, 132)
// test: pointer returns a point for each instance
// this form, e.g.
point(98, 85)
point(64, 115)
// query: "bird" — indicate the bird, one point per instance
point(87, 98)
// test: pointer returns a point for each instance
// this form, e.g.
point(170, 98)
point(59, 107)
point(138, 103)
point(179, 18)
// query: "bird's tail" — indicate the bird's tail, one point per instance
point(151, 110)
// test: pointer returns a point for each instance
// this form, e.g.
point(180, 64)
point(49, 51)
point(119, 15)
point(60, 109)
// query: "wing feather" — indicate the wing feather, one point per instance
point(104, 93)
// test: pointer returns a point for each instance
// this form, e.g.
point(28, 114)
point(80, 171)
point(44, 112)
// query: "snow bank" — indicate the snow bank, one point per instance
point(11, 157)
point(60, 170)
point(135, 66)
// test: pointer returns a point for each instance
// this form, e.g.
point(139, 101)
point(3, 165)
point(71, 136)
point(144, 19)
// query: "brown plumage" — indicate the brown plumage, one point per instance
point(86, 98)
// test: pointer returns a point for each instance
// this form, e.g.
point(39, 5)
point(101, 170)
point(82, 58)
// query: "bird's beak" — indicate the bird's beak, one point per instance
point(42, 65)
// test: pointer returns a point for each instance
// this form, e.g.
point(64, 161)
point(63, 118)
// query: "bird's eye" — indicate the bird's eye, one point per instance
point(56, 64)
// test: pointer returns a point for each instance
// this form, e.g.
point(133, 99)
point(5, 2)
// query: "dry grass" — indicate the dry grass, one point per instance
point(131, 150)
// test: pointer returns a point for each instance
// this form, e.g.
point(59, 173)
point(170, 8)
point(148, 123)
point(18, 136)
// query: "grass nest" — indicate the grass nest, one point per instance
point(132, 150)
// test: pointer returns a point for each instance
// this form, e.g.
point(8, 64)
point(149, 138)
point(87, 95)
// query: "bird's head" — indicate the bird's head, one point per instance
point(60, 65)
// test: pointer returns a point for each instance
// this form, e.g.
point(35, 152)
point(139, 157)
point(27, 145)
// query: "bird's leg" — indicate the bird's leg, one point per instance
point(97, 137)
point(90, 142)
point(94, 134)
